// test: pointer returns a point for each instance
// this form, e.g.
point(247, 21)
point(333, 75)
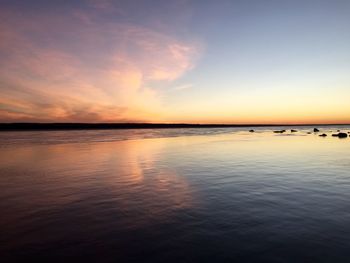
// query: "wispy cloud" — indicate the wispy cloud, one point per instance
point(183, 87)
point(75, 68)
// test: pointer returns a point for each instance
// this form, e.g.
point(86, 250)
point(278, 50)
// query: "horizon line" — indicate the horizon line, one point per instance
point(18, 126)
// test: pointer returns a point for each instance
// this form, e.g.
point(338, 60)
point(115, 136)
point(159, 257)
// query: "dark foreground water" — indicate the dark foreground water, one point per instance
point(195, 195)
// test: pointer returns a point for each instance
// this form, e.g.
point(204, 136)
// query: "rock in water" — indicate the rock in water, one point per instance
point(316, 130)
point(293, 130)
point(282, 131)
point(323, 135)
point(340, 135)
point(251, 131)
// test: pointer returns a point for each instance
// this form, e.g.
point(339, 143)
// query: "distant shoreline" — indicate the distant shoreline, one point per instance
point(113, 126)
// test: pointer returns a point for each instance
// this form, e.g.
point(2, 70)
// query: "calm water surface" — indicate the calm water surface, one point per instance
point(174, 195)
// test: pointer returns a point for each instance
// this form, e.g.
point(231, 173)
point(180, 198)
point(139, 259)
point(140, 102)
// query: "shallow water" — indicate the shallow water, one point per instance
point(175, 195)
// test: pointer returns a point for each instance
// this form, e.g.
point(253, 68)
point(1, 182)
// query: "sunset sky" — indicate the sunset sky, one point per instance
point(226, 61)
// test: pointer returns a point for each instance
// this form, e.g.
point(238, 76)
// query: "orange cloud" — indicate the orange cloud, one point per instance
point(72, 68)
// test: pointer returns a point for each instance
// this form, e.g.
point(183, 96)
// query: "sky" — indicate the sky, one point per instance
point(180, 61)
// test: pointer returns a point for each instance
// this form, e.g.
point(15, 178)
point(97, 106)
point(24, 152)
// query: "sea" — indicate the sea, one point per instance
point(175, 195)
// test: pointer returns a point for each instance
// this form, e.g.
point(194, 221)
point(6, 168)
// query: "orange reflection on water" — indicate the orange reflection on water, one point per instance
point(129, 173)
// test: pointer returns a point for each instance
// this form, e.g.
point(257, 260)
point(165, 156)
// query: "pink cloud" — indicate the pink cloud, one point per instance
point(70, 68)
